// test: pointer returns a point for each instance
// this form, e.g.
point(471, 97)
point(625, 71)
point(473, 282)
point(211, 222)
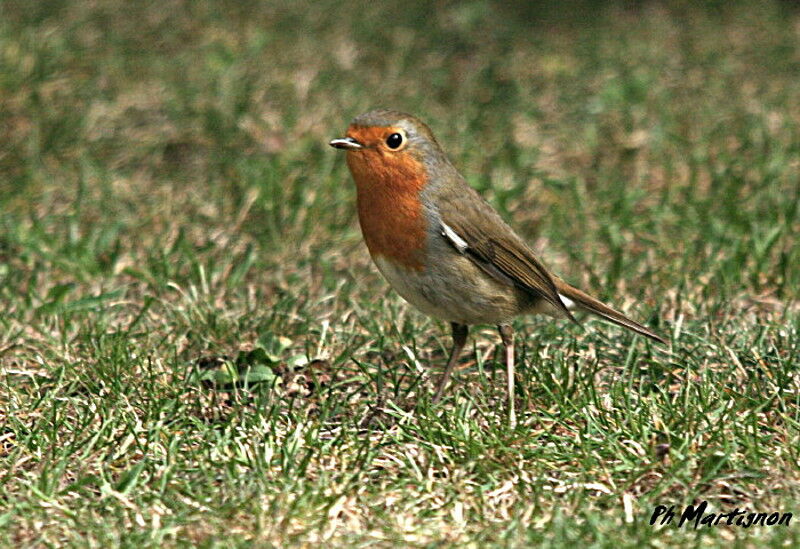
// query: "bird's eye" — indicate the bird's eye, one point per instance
point(394, 141)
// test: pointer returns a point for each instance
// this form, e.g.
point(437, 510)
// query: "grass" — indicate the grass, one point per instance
point(196, 350)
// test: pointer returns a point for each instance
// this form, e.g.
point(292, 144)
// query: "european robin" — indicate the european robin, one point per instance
point(442, 246)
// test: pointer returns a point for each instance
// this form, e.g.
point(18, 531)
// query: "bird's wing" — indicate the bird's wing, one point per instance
point(476, 231)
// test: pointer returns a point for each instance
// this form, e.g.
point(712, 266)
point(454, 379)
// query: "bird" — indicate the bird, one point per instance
point(443, 247)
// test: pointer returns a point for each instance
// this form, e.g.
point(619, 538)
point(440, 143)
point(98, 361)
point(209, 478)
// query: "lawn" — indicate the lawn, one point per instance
point(196, 350)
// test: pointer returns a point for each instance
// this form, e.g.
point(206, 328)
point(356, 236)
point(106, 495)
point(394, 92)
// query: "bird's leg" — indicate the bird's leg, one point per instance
point(460, 332)
point(507, 335)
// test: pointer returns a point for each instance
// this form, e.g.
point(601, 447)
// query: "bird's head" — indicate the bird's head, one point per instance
point(389, 148)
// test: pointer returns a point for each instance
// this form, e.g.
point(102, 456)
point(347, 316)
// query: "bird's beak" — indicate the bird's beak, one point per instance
point(346, 143)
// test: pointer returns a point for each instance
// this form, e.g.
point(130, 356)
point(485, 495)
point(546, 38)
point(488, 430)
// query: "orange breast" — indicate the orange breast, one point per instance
point(389, 207)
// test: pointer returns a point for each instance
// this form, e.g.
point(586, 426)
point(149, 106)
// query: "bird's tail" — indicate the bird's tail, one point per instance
point(581, 300)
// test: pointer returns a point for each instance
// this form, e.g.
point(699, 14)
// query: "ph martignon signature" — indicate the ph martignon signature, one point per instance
point(699, 517)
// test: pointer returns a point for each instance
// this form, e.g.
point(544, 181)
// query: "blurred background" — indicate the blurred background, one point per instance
point(608, 129)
